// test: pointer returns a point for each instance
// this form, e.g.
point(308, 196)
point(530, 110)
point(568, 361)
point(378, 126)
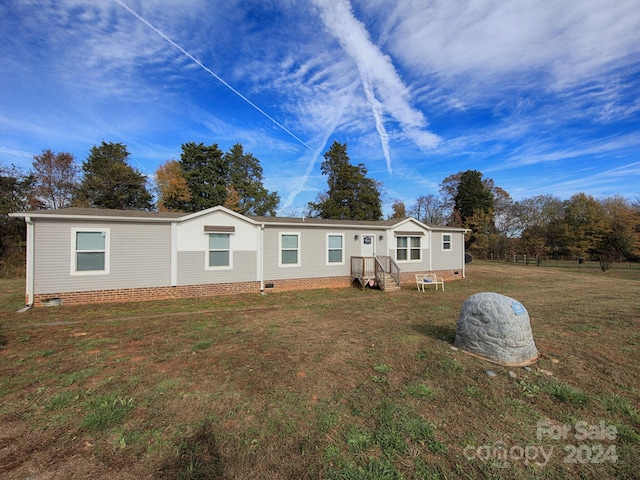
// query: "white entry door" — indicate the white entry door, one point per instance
point(367, 245)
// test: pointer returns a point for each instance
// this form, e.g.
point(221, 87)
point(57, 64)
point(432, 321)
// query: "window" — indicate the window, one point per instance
point(446, 241)
point(219, 251)
point(90, 251)
point(416, 250)
point(334, 249)
point(408, 248)
point(289, 249)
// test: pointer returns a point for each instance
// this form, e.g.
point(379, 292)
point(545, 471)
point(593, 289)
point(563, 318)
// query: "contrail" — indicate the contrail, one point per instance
point(384, 90)
point(210, 72)
point(377, 110)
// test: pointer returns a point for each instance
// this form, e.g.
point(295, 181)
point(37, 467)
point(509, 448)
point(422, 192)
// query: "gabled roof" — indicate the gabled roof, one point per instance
point(165, 217)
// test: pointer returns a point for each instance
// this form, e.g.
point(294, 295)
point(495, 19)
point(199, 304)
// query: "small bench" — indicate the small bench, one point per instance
point(427, 279)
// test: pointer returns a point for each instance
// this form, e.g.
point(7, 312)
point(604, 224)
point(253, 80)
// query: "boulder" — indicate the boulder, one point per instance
point(496, 328)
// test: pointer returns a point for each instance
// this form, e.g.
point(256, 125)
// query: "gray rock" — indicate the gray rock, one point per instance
point(496, 328)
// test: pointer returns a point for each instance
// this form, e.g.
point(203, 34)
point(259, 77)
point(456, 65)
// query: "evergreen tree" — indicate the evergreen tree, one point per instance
point(16, 195)
point(472, 197)
point(206, 174)
point(473, 207)
point(351, 194)
point(245, 181)
point(110, 182)
point(233, 179)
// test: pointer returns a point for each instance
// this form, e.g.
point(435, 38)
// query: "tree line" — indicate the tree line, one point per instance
point(205, 176)
point(544, 226)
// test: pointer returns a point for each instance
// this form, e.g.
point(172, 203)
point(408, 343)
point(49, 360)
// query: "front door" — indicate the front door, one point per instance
point(368, 245)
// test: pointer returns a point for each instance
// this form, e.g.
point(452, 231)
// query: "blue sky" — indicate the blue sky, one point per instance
point(543, 96)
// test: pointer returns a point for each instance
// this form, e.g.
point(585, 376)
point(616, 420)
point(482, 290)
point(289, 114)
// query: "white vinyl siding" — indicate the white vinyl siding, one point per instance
point(90, 254)
point(335, 249)
point(408, 248)
point(290, 249)
point(219, 252)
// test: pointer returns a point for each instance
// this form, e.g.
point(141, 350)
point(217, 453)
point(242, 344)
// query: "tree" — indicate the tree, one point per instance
point(171, 186)
point(245, 181)
point(351, 194)
point(55, 178)
point(232, 202)
point(472, 196)
point(429, 209)
point(233, 179)
point(620, 239)
point(110, 182)
point(206, 175)
point(541, 222)
point(586, 221)
point(399, 209)
point(462, 201)
point(16, 195)
point(473, 205)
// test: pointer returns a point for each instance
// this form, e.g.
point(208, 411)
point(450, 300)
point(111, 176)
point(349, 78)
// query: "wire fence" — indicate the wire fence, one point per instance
point(559, 261)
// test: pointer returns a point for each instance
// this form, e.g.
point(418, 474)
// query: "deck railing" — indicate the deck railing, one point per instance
point(388, 265)
point(367, 269)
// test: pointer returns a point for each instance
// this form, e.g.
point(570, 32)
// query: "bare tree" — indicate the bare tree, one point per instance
point(430, 209)
point(55, 178)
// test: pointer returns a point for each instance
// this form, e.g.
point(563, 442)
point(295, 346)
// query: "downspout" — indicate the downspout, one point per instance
point(430, 245)
point(260, 259)
point(30, 284)
point(464, 263)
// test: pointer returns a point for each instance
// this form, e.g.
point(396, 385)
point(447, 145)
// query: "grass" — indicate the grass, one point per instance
point(105, 411)
point(330, 384)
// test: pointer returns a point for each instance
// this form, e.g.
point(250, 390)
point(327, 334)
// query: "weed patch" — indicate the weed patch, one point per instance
point(106, 411)
point(420, 390)
point(202, 345)
point(566, 393)
point(68, 379)
point(382, 368)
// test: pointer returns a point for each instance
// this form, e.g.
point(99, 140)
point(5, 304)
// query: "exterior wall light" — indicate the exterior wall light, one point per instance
point(356, 236)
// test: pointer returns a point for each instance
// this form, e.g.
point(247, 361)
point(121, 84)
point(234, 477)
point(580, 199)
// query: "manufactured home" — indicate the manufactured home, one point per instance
point(87, 255)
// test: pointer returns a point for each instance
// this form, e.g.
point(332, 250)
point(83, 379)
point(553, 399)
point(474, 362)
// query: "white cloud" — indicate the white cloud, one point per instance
point(570, 41)
point(384, 89)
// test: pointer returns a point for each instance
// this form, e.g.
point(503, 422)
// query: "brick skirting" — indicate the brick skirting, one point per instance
point(208, 290)
point(188, 291)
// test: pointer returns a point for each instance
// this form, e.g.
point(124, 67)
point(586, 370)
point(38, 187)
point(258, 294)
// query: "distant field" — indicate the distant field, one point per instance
point(331, 384)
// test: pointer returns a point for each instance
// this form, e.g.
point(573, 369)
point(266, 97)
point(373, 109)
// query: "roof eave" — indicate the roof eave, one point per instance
point(105, 218)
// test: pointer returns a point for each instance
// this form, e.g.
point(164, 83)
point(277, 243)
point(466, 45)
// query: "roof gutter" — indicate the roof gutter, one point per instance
point(106, 218)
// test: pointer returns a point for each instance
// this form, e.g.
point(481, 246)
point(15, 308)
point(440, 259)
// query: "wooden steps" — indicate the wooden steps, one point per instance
point(390, 284)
